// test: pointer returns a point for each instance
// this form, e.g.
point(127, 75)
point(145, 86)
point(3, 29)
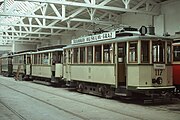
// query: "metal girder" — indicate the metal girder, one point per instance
point(50, 27)
point(95, 6)
point(59, 13)
point(25, 32)
point(23, 40)
point(31, 37)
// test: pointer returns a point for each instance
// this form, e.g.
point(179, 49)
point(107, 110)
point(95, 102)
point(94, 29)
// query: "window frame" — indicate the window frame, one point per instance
point(164, 55)
point(136, 52)
point(95, 53)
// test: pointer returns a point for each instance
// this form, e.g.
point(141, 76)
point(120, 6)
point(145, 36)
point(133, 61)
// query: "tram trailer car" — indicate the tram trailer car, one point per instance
point(6, 65)
point(176, 66)
point(47, 66)
point(21, 63)
point(120, 63)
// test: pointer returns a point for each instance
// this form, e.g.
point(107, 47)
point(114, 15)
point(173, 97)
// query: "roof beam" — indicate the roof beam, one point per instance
point(23, 40)
point(11, 36)
point(95, 6)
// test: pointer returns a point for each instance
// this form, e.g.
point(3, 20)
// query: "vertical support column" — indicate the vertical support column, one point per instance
point(102, 53)
point(20, 30)
point(30, 23)
point(13, 43)
point(139, 51)
point(147, 6)
point(5, 7)
point(44, 13)
point(93, 2)
point(68, 24)
point(63, 10)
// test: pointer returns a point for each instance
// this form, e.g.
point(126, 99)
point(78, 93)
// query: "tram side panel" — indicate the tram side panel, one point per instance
point(143, 76)
point(103, 74)
point(41, 71)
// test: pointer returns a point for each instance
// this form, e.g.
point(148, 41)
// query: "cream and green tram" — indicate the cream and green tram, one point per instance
point(119, 63)
point(21, 65)
point(47, 66)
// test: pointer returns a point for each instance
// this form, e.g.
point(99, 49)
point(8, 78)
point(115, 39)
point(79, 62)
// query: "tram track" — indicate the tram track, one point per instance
point(93, 104)
point(12, 110)
point(72, 113)
point(79, 101)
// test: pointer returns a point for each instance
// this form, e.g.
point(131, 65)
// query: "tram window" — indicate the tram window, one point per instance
point(28, 59)
point(35, 58)
point(38, 59)
point(69, 56)
point(56, 57)
point(44, 58)
point(98, 53)
point(145, 51)
point(133, 51)
point(65, 56)
point(75, 55)
point(60, 57)
point(176, 53)
point(20, 59)
point(90, 54)
point(121, 52)
point(82, 55)
point(169, 53)
point(15, 59)
point(106, 50)
point(158, 51)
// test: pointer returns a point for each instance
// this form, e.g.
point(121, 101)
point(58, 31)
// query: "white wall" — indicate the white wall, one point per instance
point(21, 47)
point(136, 20)
point(171, 13)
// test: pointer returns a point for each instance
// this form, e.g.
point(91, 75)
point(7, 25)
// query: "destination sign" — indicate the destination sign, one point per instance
point(103, 36)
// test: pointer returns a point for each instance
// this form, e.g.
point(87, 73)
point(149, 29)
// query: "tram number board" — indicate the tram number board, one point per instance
point(103, 36)
point(159, 66)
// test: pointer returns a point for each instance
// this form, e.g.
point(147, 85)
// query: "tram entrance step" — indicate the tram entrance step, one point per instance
point(121, 91)
point(42, 82)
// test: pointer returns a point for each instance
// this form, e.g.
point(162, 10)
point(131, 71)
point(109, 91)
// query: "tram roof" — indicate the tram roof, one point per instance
point(23, 53)
point(6, 55)
point(46, 51)
point(122, 37)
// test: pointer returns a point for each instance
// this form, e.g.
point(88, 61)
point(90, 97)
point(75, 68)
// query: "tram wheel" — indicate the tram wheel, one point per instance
point(106, 92)
point(80, 87)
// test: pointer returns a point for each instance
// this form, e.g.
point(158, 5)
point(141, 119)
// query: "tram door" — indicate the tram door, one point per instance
point(121, 71)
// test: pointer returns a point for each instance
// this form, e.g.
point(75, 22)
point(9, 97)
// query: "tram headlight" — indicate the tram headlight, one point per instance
point(157, 80)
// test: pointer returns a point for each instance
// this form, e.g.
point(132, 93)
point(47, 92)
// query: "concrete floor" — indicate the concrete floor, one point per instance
point(20, 100)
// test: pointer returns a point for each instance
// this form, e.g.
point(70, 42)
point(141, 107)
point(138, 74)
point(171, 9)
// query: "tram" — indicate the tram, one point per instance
point(123, 62)
point(47, 66)
point(176, 65)
point(21, 64)
point(6, 65)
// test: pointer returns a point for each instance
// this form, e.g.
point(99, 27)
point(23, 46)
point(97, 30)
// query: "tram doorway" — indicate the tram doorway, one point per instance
point(121, 67)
